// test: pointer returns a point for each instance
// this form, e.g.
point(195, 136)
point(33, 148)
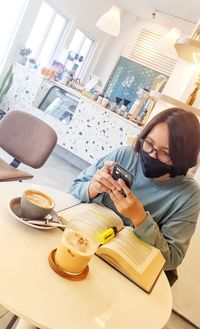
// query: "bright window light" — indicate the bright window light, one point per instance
point(45, 35)
point(40, 29)
point(54, 35)
point(82, 45)
point(77, 41)
point(9, 22)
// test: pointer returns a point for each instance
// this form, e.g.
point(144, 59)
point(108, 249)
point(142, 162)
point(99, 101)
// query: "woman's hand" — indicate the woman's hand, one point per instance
point(129, 206)
point(102, 181)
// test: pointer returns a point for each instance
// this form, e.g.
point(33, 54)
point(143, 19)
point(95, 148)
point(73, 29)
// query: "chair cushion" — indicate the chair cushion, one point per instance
point(9, 173)
point(27, 138)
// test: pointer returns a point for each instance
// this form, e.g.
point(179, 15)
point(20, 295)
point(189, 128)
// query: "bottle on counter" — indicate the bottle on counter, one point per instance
point(115, 105)
point(105, 102)
point(66, 77)
point(95, 96)
point(123, 110)
point(99, 99)
point(193, 95)
point(137, 105)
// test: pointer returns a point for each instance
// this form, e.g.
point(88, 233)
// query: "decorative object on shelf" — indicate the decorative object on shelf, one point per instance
point(73, 60)
point(32, 63)
point(22, 57)
point(94, 82)
point(66, 77)
point(159, 82)
point(7, 82)
point(143, 106)
point(105, 102)
point(110, 22)
point(115, 105)
point(137, 110)
point(56, 71)
point(193, 95)
point(58, 68)
point(123, 108)
point(99, 99)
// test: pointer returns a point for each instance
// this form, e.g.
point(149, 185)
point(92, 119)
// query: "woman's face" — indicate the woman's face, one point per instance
point(159, 139)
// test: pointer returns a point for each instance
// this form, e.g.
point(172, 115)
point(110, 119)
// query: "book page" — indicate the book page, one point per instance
point(133, 250)
point(98, 217)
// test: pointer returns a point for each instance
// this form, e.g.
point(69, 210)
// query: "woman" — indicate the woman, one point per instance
point(163, 203)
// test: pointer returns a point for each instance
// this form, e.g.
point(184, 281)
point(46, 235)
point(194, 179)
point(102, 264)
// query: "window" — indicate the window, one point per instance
point(9, 21)
point(46, 34)
point(81, 45)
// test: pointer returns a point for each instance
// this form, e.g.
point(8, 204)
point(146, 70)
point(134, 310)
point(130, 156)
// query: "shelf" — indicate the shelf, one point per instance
point(172, 101)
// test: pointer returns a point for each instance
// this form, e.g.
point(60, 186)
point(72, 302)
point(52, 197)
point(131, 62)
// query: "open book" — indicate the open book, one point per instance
point(139, 261)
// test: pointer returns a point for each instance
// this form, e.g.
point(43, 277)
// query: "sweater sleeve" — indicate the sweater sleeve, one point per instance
point(80, 185)
point(173, 237)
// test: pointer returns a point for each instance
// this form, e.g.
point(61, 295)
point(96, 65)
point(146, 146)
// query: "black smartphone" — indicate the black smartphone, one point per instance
point(120, 172)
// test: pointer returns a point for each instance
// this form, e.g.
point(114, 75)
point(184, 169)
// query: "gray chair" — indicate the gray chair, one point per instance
point(28, 140)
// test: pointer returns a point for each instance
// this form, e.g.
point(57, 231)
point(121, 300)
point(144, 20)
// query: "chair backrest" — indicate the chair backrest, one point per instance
point(27, 138)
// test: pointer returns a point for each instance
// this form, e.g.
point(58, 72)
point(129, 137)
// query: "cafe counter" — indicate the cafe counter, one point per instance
point(93, 130)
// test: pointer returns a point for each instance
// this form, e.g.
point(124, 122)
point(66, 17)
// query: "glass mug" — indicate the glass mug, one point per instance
point(78, 244)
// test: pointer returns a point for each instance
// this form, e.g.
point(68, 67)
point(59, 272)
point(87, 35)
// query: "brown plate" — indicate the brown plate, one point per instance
point(66, 275)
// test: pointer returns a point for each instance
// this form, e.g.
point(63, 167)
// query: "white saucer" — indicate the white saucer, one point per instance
point(14, 207)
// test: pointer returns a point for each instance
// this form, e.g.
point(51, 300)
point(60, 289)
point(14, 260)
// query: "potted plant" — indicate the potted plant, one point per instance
point(5, 86)
point(22, 56)
point(32, 63)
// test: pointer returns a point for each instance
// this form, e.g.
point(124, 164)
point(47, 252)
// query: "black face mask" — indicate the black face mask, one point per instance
point(153, 168)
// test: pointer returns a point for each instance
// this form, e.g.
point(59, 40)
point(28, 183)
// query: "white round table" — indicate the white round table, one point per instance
point(30, 288)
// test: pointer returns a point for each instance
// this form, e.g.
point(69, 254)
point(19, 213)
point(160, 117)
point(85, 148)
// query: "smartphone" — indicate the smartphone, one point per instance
point(120, 172)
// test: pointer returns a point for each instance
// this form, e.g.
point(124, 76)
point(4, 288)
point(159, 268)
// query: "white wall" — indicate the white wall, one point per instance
point(130, 28)
point(115, 48)
point(178, 85)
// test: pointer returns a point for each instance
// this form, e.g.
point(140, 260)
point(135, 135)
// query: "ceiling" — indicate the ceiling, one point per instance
point(187, 9)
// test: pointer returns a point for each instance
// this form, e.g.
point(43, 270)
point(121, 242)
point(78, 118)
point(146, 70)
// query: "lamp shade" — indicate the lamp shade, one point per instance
point(110, 21)
point(166, 44)
point(189, 48)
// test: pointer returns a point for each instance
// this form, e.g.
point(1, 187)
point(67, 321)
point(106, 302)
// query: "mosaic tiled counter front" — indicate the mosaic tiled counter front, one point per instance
point(94, 131)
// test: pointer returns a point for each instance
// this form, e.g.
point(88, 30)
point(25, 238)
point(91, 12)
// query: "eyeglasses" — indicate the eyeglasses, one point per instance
point(160, 154)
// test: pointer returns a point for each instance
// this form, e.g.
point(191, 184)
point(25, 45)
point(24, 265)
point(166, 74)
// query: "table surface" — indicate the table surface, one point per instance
point(30, 288)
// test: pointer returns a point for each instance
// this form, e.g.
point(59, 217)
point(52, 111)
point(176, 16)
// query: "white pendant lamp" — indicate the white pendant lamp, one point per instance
point(110, 21)
point(189, 48)
point(165, 45)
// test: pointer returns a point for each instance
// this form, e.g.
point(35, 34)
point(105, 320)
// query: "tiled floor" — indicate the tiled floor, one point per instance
point(58, 173)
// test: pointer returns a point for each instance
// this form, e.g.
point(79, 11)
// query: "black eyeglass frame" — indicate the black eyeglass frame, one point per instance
point(155, 150)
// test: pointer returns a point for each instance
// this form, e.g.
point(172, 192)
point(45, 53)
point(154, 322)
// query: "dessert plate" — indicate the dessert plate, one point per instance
point(14, 207)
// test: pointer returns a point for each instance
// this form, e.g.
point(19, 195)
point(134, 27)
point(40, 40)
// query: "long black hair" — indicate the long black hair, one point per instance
point(184, 137)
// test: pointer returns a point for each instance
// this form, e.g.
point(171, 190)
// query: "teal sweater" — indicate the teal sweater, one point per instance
point(173, 205)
